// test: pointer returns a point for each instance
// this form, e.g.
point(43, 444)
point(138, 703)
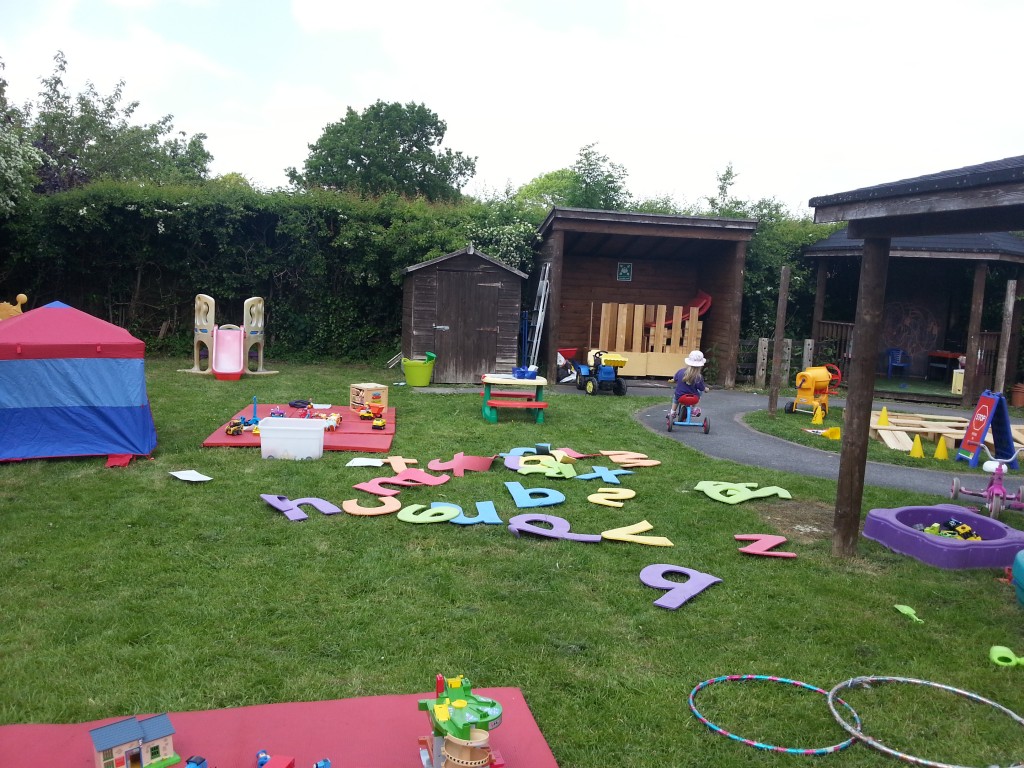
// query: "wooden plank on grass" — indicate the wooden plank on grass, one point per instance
point(896, 439)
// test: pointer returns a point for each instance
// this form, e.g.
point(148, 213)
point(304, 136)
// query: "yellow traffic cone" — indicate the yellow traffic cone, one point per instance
point(833, 433)
point(917, 452)
point(819, 415)
point(883, 417)
point(940, 450)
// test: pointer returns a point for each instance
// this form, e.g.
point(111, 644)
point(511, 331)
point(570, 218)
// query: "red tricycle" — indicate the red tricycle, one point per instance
point(684, 413)
point(997, 496)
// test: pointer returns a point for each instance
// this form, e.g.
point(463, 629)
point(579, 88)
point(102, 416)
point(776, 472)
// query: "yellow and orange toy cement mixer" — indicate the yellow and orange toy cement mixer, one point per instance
point(813, 386)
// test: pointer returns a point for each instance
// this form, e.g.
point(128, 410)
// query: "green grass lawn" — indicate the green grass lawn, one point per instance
point(128, 591)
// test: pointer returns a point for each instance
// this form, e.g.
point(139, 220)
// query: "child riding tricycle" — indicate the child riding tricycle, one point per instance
point(689, 386)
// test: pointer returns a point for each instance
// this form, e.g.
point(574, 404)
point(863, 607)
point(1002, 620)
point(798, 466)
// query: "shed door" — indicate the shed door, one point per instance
point(468, 306)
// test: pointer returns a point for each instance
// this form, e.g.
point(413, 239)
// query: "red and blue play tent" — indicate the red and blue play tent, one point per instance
point(71, 385)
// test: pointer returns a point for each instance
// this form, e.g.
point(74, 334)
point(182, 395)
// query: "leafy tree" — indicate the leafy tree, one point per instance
point(89, 137)
point(390, 147)
point(778, 241)
point(19, 160)
point(505, 228)
point(546, 191)
point(600, 183)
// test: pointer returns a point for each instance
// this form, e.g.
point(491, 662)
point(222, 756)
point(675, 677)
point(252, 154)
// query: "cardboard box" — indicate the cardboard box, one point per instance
point(295, 439)
point(364, 395)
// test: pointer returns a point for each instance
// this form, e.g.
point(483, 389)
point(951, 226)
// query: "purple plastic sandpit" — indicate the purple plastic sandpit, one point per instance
point(893, 528)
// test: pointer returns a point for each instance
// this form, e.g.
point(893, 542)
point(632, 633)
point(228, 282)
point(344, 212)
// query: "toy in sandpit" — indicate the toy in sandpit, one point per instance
point(997, 497)
point(681, 414)
point(378, 423)
point(227, 347)
point(813, 386)
point(197, 761)
point(460, 722)
point(601, 372)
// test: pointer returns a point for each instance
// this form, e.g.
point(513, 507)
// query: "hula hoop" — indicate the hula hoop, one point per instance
point(867, 681)
point(761, 745)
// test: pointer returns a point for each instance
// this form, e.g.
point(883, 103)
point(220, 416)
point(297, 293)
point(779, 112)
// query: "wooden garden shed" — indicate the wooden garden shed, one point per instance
point(635, 283)
point(464, 307)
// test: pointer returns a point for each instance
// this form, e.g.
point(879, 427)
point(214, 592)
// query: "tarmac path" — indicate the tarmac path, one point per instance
point(731, 438)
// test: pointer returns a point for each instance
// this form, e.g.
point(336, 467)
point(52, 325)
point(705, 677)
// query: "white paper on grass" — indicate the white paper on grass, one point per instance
point(191, 476)
point(362, 461)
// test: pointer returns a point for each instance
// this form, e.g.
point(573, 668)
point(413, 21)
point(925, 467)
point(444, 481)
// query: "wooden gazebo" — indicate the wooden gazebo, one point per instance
point(929, 299)
point(636, 282)
point(982, 198)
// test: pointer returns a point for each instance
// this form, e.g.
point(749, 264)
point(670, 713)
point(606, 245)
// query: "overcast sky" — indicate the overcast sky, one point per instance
point(803, 97)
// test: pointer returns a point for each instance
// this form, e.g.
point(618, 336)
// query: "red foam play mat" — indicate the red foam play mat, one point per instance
point(372, 732)
point(353, 434)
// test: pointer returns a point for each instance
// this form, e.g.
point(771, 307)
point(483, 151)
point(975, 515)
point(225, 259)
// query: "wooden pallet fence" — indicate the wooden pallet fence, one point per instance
point(654, 338)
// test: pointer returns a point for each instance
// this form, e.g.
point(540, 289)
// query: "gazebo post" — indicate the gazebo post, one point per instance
point(861, 387)
point(973, 352)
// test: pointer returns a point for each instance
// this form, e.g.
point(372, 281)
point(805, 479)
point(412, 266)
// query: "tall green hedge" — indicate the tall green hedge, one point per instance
point(327, 264)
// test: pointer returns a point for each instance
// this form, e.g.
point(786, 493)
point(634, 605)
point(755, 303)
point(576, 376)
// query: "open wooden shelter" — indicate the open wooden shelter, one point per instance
point(981, 198)
point(929, 307)
point(649, 286)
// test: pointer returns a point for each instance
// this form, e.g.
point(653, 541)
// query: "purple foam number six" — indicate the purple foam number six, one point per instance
point(678, 593)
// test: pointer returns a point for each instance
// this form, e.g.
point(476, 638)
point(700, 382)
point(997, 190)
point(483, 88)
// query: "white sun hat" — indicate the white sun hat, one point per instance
point(695, 359)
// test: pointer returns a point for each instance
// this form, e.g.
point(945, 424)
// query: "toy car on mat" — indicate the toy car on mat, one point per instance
point(601, 371)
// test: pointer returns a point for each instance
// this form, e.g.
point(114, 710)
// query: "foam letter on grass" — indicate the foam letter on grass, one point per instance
point(763, 542)
point(677, 593)
point(604, 474)
point(630, 459)
point(608, 497)
point(409, 477)
point(290, 509)
point(559, 529)
point(734, 493)
point(461, 464)
point(630, 533)
point(386, 507)
point(534, 497)
point(548, 466)
point(418, 513)
point(485, 513)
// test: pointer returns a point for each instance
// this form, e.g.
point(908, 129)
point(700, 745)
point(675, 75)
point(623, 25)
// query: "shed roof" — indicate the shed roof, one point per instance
point(989, 246)
point(467, 251)
point(130, 730)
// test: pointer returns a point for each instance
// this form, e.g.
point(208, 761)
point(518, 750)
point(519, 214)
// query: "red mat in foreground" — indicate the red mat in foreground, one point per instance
point(372, 732)
point(353, 434)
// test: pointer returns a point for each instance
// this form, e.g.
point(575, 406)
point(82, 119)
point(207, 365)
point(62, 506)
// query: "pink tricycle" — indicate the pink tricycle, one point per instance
point(997, 496)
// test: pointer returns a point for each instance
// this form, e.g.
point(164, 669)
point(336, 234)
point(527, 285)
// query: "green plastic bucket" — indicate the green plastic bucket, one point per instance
point(418, 372)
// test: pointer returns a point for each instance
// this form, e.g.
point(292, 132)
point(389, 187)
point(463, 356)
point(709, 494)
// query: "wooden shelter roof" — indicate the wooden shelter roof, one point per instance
point(989, 246)
point(988, 197)
point(636, 235)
